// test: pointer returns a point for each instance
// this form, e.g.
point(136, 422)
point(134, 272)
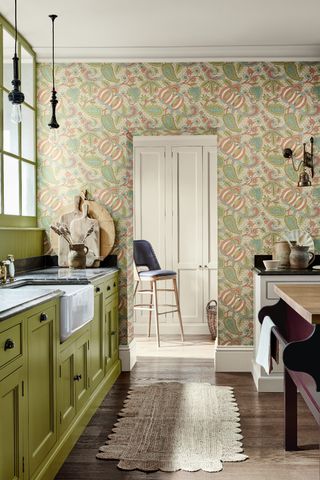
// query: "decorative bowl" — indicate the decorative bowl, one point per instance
point(271, 264)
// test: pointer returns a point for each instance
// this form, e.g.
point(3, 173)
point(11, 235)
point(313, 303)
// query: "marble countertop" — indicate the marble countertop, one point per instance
point(14, 300)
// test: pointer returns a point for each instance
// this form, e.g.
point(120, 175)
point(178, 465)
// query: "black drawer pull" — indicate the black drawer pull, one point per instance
point(8, 344)
point(43, 317)
point(97, 289)
point(77, 378)
point(108, 287)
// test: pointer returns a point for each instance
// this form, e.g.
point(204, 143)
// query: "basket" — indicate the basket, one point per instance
point(212, 318)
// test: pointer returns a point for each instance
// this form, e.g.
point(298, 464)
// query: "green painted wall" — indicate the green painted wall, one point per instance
point(256, 109)
point(22, 243)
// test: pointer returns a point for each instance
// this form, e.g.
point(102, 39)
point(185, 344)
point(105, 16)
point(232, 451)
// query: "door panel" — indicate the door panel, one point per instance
point(41, 385)
point(66, 393)
point(96, 341)
point(187, 229)
point(11, 426)
point(81, 377)
point(149, 205)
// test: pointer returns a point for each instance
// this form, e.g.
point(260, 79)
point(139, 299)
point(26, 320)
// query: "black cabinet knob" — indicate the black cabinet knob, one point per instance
point(43, 317)
point(108, 287)
point(114, 284)
point(77, 378)
point(8, 344)
point(97, 289)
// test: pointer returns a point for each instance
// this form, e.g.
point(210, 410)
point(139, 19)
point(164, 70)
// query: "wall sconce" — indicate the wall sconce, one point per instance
point(307, 162)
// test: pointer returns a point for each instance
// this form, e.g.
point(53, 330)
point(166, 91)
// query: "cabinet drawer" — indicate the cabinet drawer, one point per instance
point(111, 286)
point(42, 316)
point(10, 344)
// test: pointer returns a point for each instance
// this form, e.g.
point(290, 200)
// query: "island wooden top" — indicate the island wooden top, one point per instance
point(304, 299)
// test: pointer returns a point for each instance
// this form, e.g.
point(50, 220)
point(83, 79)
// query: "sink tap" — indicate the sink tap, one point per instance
point(4, 271)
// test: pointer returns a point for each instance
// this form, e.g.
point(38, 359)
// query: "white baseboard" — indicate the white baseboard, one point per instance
point(234, 358)
point(172, 328)
point(270, 383)
point(128, 355)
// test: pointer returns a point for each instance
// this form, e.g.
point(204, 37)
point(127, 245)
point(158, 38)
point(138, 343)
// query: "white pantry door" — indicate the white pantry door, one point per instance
point(175, 208)
point(187, 229)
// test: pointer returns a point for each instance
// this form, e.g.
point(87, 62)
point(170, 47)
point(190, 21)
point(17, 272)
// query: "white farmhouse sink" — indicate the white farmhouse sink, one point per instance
point(76, 305)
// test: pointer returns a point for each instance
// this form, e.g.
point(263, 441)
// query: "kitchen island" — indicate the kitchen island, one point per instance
point(297, 328)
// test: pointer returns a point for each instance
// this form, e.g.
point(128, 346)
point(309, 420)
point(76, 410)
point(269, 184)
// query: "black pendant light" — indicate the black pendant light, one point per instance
point(53, 122)
point(16, 97)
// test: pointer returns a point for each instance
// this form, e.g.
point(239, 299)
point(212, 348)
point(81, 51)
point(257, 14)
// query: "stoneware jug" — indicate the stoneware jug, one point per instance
point(281, 252)
point(77, 255)
point(300, 257)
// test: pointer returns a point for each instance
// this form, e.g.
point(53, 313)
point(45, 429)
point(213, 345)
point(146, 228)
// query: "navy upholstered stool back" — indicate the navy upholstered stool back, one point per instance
point(144, 256)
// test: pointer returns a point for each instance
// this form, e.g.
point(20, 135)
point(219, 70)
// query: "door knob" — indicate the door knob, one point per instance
point(43, 317)
point(8, 344)
point(200, 266)
point(206, 266)
point(77, 378)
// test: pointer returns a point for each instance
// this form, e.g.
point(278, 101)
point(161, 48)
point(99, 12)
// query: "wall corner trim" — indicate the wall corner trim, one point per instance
point(234, 358)
point(128, 355)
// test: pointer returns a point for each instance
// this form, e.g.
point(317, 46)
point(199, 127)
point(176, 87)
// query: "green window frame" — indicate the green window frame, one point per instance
point(20, 161)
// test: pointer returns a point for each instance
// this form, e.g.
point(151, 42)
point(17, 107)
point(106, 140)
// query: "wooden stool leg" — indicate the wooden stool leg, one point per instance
point(176, 294)
point(150, 314)
point(155, 303)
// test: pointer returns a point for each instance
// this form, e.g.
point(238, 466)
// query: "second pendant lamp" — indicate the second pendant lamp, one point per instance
point(53, 122)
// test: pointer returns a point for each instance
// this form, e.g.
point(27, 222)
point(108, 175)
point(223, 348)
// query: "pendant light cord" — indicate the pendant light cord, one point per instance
point(53, 84)
point(15, 28)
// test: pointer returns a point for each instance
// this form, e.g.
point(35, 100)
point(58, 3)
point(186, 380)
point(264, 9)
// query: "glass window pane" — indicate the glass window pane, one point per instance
point(8, 52)
point(10, 129)
point(28, 192)
point(11, 185)
point(27, 74)
point(27, 133)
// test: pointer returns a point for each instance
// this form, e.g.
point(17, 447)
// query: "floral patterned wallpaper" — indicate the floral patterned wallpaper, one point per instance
point(256, 109)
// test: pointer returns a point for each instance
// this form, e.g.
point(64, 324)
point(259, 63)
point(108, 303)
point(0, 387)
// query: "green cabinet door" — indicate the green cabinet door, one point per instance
point(41, 374)
point(81, 375)
point(11, 426)
point(111, 331)
point(66, 388)
point(96, 340)
point(114, 331)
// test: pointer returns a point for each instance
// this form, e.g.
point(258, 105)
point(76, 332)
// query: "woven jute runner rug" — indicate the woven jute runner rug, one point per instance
point(176, 426)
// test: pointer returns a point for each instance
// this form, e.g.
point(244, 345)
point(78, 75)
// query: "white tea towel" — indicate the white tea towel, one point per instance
point(263, 357)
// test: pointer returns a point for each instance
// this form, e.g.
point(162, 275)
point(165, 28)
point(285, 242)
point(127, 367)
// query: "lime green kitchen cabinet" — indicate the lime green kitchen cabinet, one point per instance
point(41, 384)
point(48, 390)
point(73, 378)
point(12, 425)
point(96, 337)
point(111, 332)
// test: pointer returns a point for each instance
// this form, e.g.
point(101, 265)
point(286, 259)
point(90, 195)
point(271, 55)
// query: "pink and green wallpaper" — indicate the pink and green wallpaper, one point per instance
point(256, 109)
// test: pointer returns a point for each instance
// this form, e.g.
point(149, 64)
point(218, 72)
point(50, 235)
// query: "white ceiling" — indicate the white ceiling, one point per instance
point(149, 30)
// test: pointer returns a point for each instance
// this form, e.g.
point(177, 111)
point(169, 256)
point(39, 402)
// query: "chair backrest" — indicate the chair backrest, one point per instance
point(144, 255)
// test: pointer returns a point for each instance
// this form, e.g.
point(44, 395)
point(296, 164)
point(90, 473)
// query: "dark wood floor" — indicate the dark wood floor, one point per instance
point(261, 420)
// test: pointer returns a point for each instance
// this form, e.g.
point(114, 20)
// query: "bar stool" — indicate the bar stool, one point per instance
point(144, 256)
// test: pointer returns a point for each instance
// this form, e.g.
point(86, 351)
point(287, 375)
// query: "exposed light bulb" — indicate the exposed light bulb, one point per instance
point(16, 113)
point(53, 135)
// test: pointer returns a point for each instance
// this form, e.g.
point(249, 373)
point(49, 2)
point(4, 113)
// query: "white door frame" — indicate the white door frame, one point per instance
point(209, 144)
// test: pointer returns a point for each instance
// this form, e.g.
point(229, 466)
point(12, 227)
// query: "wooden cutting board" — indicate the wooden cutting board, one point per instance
point(96, 211)
point(79, 227)
point(106, 224)
point(59, 244)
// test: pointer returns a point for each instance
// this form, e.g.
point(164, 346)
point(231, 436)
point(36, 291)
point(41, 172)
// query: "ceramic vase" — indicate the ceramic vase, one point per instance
point(77, 255)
